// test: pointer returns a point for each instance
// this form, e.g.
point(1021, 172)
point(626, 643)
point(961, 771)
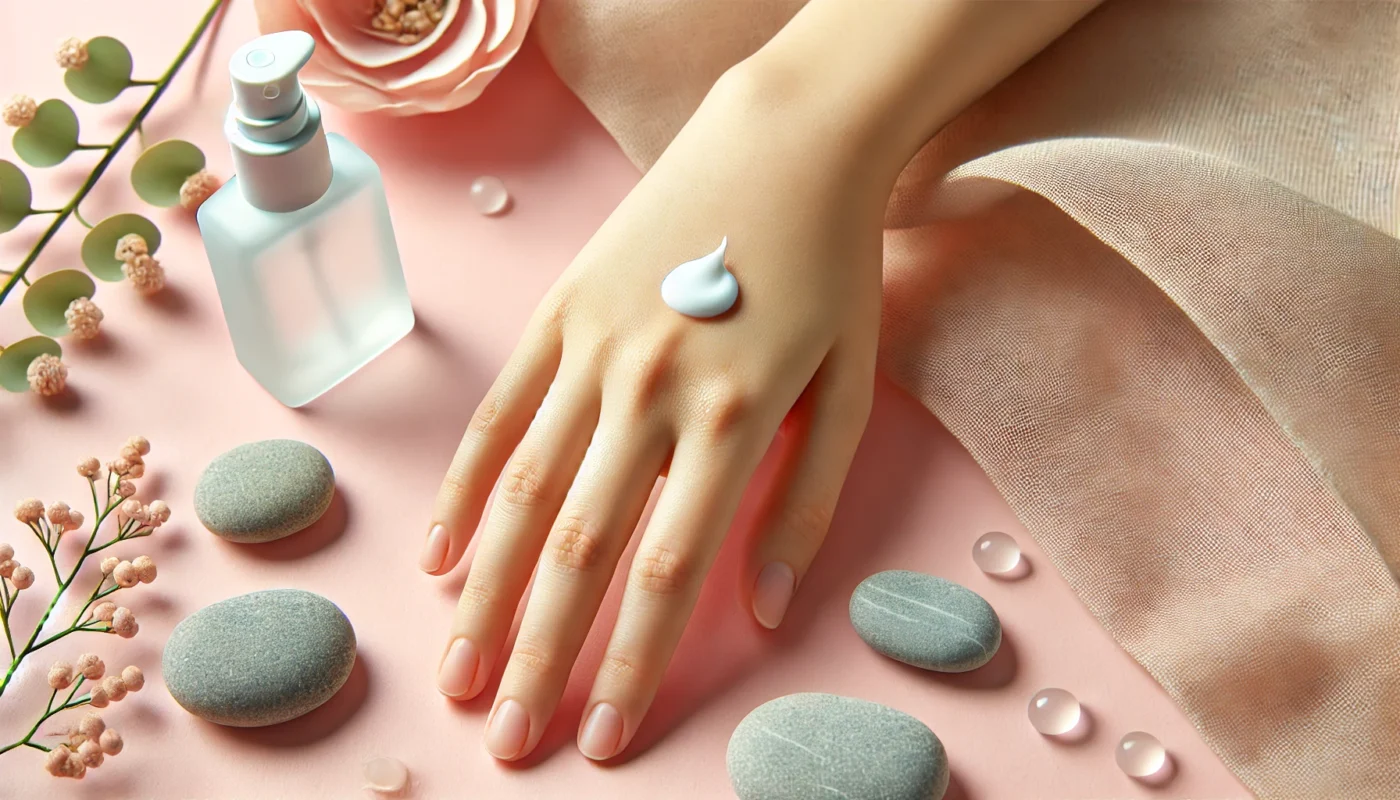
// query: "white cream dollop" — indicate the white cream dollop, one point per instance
point(701, 288)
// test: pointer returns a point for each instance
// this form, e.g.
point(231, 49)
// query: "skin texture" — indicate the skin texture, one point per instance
point(792, 156)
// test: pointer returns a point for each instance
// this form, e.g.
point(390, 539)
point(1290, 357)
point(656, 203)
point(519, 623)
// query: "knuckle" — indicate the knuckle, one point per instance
point(487, 414)
point(574, 545)
point(723, 408)
point(662, 572)
point(806, 524)
point(476, 598)
point(619, 669)
point(523, 484)
point(530, 660)
point(651, 368)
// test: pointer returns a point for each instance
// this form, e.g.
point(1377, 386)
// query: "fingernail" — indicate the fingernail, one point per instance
point(602, 733)
point(458, 668)
point(434, 550)
point(507, 730)
point(772, 592)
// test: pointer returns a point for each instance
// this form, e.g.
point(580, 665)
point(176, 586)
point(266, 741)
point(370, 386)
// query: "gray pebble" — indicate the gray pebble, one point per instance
point(259, 658)
point(925, 621)
point(262, 491)
point(806, 746)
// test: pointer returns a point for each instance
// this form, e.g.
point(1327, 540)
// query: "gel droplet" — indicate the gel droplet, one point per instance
point(489, 195)
point(702, 287)
point(1140, 755)
point(1053, 712)
point(996, 553)
point(386, 775)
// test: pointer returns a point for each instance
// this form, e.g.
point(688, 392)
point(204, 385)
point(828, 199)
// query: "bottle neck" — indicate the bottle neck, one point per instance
point(282, 164)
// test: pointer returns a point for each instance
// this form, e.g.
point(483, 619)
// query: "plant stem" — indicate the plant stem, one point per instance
point(141, 83)
point(78, 215)
point(160, 85)
point(24, 742)
point(5, 615)
point(93, 147)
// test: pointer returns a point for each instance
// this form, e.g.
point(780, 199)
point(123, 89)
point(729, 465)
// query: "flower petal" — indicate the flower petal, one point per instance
point(345, 26)
point(283, 15)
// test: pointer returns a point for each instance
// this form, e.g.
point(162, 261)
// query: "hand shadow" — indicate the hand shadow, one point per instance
point(316, 724)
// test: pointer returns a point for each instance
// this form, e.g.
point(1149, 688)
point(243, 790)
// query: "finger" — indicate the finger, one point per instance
point(577, 564)
point(495, 429)
point(531, 489)
point(829, 421)
point(694, 511)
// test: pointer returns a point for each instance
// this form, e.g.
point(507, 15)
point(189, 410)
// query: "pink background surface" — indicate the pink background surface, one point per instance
point(166, 370)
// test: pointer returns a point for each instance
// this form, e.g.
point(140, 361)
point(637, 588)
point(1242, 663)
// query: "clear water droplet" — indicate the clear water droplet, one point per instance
point(1053, 712)
point(996, 553)
point(1140, 755)
point(386, 775)
point(489, 195)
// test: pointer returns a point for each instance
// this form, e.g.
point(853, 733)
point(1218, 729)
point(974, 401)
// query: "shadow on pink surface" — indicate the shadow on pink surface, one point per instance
point(316, 724)
point(319, 535)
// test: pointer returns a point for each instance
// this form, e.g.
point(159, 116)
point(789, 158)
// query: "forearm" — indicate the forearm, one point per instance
point(874, 81)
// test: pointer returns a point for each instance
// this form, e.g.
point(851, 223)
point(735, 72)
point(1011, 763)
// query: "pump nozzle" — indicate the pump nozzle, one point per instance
point(264, 72)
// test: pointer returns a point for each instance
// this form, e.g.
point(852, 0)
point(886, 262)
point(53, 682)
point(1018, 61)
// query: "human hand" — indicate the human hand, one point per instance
point(609, 388)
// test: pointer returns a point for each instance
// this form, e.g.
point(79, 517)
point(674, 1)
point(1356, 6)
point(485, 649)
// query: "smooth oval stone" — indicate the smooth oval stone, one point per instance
point(823, 745)
point(924, 621)
point(259, 658)
point(262, 491)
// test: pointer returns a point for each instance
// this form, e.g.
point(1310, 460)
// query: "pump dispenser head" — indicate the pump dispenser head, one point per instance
point(274, 127)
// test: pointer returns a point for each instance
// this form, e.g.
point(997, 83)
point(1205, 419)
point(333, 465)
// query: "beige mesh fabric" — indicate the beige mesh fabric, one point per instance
point(1152, 282)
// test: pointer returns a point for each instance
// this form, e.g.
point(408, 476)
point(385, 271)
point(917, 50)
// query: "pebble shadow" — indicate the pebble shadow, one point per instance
point(315, 725)
point(995, 674)
point(320, 534)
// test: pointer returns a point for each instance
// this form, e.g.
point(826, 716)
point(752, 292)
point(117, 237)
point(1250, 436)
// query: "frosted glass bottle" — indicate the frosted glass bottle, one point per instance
point(300, 240)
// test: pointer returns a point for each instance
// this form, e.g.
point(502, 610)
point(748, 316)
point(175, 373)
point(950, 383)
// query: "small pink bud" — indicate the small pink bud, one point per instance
point(133, 678)
point(159, 511)
point(76, 768)
point(129, 247)
point(6, 552)
point(109, 563)
point(60, 675)
point(131, 507)
point(75, 520)
point(8, 567)
point(137, 470)
point(72, 53)
point(91, 666)
point(91, 753)
point(141, 445)
point(57, 513)
point(104, 610)
point(125, 575)
point(47, 375)
point(98, 698)
point(22, 577)
point(124, 623)
point(88, 467)
point(119, 466)
point(130, 453)
point(56, 762)
point(126, 488)
point(92, 726)
point(145, 568)
point(111, 742)
point(115, 687)
point(30, 510)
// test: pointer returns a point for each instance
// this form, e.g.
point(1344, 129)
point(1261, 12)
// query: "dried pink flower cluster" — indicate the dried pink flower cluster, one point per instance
point(48, 375)
point(138, 265)
point(84, 318)
point(20, 111)
point(130, 246)
point(88, 744)
point(197, 188)
point(129, 464)
point(20, 576)
point(72, 53)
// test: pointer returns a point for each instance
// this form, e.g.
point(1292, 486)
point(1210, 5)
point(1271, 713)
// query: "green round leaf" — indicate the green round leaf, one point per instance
point(48, 297)
point(100, 244)
point(106, 74)
point(15, 196)
point(51, 137)
point(160, 171)
point(14, 361)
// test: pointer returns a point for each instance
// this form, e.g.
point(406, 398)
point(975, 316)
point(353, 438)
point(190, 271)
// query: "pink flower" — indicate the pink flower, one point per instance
point(22, 577)
point(196, 189)
point(140, 443)
point(30, 510)
point(111, 742)
point(145, 568)
point(371, 57)
point(136, 470)
point(56, 762)
point(145, 273)
point(108, 564)
point(119, 465)
point(6, 552)
point(131, 454)
point(88, 467)
point(58, 513)
point(75, 520)
point(115, 687)
point(20, 111)
point(124, 623)
point(91, 753)
point(104, 611)
point(76, 768)
point(97, 698)
point(91, 666)
point(134, 678)
point(159, 511)
point(60, 675)
point(125, 576)
point(92, 726)
point(131, 508)
point(130, 246)
point(126, 488)
point(8, 567)
point(72, 53)
point(48, 375)
point(84, 318)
